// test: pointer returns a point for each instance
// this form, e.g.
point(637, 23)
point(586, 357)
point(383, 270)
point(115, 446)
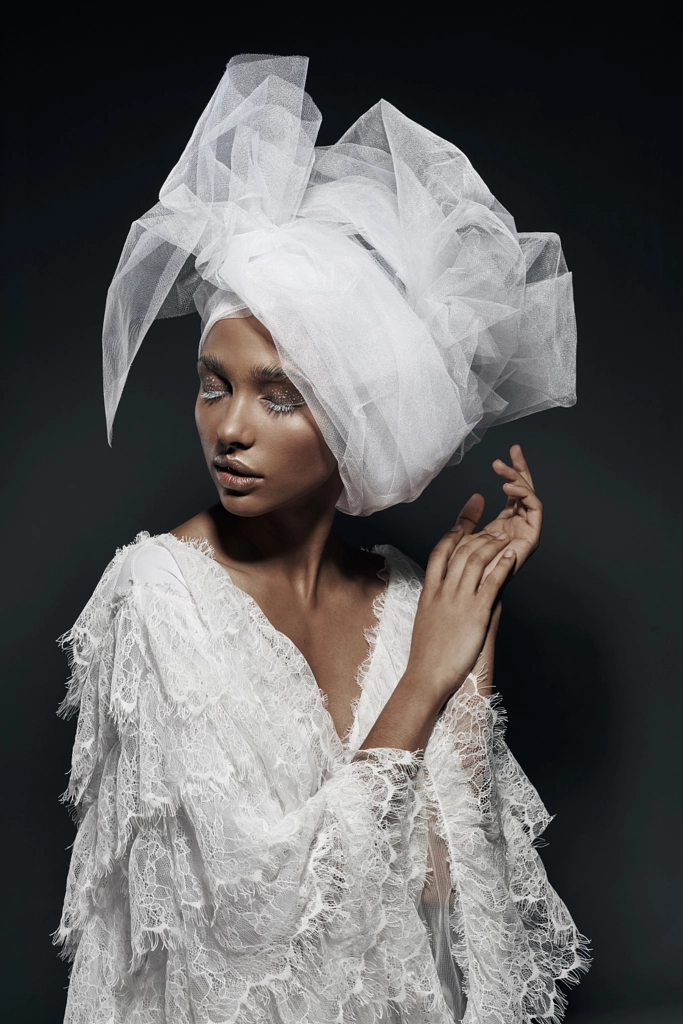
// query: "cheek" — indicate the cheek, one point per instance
point(299, 444)
point(206, 425)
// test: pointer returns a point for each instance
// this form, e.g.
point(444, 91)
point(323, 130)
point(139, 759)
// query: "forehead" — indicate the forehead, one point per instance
point(241, 339)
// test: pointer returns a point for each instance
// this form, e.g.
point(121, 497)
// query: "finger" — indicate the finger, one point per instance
point(533, 506)
point(469, 563)
point(471, 513)
point(471, 541)
point(512, 476)
point(522, 550)
point(441, 552)
point(518, 471)
point(471, 544)
point(499, 575)
point(521, 486)
point(522, 491)
point(502, 469)
point(520, 463)
point(510, 472)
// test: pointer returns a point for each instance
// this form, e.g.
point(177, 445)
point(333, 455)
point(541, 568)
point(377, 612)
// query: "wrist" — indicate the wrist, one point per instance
point(433, 687)
point(407, 719)
point(495, 618)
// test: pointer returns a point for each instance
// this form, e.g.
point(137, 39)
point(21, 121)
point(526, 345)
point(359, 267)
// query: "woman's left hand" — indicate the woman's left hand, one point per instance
point(522, 516)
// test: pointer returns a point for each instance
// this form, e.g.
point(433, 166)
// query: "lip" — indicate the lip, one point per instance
point(234, 475)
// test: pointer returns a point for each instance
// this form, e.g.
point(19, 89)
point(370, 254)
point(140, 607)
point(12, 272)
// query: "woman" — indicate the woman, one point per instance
point(296, 801)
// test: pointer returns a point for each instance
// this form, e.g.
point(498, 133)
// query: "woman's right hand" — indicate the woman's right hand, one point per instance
point(455, 608)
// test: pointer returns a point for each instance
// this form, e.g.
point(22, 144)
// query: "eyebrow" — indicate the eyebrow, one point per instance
point(268, 374)
point(264, 374)
point(213, 365)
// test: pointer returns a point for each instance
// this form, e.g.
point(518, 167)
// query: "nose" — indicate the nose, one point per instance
point(237, 427)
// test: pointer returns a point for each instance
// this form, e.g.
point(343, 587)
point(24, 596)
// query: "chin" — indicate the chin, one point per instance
point(242, 506)
point(251, 505)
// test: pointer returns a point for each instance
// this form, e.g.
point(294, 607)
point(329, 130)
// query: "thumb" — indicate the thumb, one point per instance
point(471, 513)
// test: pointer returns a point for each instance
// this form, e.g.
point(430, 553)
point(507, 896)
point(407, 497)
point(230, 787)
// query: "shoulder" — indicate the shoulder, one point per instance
point(146, 559)
point(402, 567)
point(405, 580)
point(199, 529)
point(149, 560)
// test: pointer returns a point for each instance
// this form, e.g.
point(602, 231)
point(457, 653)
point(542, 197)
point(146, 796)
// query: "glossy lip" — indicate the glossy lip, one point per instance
point(234, 475)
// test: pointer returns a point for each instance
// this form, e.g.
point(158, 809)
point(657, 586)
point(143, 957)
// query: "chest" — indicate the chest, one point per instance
point(334, 640)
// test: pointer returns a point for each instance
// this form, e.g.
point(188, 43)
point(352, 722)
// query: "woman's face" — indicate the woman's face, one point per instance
point(263, 448)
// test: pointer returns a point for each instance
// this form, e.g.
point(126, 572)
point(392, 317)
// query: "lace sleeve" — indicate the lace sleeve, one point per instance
point(198, 889)
point(512, 936)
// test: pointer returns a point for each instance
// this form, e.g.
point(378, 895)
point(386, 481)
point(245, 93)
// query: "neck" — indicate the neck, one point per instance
point(295, 541)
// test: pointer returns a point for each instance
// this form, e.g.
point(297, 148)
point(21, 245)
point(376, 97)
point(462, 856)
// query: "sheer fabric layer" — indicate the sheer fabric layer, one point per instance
point(234, 862)
point(405, 304)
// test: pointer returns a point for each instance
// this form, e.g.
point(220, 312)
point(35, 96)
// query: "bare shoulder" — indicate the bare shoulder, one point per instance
point(215, 527)
point(199, 527)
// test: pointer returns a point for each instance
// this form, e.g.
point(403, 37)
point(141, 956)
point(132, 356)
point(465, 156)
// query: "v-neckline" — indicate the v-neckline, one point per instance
point(371, 634)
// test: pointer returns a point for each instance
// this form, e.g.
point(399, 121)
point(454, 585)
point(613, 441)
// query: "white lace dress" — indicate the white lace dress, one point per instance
point(235, 863)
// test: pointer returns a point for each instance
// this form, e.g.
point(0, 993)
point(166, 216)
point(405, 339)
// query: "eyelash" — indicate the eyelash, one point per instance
point(274, 407)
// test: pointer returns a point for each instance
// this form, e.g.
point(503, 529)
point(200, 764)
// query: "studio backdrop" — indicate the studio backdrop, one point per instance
point(568, 130)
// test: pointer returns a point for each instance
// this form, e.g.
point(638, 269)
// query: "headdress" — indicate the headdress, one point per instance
point(403, 303)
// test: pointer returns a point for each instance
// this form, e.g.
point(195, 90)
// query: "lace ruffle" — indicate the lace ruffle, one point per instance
point(512, 936)
point(206, 883)
point(236, 862)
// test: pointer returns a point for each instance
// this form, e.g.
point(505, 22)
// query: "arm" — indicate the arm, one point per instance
point(206, 876)
point(455, 620)
point(464, 614)
point(513, 938)
point(487, 658)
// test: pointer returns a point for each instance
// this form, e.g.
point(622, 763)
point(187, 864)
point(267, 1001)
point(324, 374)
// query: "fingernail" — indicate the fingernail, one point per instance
point(509, 553)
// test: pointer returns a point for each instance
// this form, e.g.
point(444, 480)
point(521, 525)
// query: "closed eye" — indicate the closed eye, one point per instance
point(280, 407)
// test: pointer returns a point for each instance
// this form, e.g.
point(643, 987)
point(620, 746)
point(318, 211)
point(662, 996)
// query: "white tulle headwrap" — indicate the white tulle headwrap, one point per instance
point(403, 302)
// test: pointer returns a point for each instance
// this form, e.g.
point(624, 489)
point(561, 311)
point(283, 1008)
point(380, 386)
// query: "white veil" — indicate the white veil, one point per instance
point(403, 302)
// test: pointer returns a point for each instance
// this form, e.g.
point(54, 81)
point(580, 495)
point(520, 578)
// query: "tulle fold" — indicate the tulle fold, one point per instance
point(404, 303)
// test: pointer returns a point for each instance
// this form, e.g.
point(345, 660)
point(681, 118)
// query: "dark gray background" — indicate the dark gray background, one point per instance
point(567, 118)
